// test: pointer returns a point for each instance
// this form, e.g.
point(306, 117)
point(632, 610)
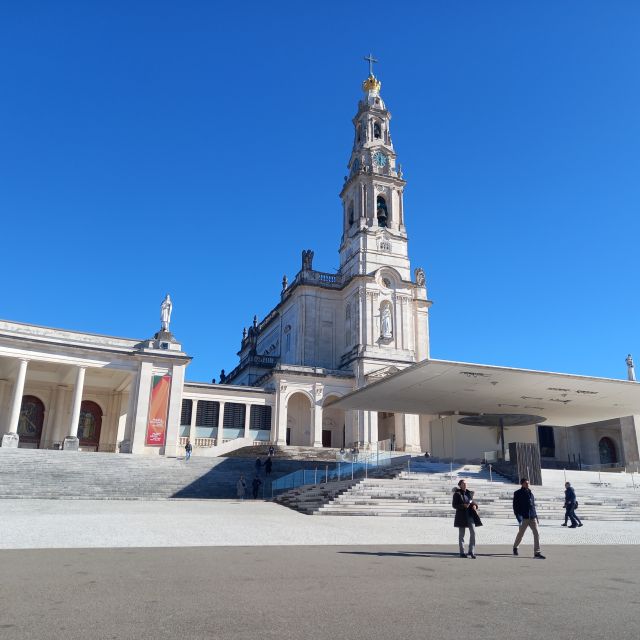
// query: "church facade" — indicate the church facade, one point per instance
point(328, 335)
point(332, 333)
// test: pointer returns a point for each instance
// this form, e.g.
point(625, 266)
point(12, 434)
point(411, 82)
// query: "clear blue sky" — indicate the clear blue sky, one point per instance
point(197, 147)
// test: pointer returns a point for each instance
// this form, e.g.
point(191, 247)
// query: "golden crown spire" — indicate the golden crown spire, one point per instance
point(371, 84)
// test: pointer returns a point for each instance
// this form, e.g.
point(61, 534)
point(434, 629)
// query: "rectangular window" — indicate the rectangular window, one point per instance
point(185, 415)
point(547, 442)
point(260, 418)
point(207, 413)
point(234, 415)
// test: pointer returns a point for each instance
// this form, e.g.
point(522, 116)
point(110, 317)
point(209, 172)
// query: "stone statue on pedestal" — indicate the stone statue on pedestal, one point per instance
point(631, 373)
point(420, 279)
point(385, 323)
point(307, 260)
point(165, 313)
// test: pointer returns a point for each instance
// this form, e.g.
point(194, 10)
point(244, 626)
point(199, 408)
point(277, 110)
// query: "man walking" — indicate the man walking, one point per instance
point(524, 506)
point(187, 450)
point(570, 504)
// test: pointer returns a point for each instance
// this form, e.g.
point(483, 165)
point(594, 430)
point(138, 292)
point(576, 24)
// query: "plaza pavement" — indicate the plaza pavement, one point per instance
point(48, 524)
point(408, 592)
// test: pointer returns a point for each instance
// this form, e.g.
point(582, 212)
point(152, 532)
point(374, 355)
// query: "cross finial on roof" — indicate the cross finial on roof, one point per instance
point(371, 60)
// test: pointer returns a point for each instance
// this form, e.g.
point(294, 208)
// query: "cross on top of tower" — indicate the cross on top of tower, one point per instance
point(371, 60)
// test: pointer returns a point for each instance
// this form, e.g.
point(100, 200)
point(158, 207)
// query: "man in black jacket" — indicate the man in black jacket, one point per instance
point(524, 506)
point(570, 504)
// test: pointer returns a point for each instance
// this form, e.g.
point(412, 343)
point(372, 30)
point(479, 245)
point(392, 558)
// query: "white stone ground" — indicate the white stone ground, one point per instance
point(46, 524)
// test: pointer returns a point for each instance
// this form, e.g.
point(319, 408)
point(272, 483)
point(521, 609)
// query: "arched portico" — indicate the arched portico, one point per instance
point(299, 419)
point(333, 424)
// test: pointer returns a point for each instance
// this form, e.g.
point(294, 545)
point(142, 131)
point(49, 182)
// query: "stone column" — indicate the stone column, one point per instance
point(4, 411)
point(71, 442)
point(11, 439)
point(121, 420)
point(175, 410)
point(316, 415)
point(141, 409)
point(192, 424)
point(247, 420)
point(220, 431)
point(281, 415)
point(126, 439)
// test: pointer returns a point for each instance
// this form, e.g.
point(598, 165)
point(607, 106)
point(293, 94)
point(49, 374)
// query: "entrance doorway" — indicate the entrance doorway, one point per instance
point(607, 450)
point(89, 425)
point(299, 420)
point(326, 437)
point(30, 422)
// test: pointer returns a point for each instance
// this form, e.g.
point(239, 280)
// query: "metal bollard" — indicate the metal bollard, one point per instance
point(490, 477)
point(326, 473)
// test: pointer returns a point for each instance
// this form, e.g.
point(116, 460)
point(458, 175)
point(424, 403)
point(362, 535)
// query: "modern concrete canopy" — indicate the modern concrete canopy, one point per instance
point(440, 388)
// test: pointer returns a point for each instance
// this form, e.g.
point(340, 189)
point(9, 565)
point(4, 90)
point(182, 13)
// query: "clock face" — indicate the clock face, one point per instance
point(380, 159)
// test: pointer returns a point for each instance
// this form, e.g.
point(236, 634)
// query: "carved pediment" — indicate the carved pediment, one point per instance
point(381, 373)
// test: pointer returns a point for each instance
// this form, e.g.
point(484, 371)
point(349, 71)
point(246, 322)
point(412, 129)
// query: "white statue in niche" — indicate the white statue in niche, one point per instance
point(385, 323)
point(165, 313)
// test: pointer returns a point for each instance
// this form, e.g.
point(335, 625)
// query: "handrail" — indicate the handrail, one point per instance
point(343, 471)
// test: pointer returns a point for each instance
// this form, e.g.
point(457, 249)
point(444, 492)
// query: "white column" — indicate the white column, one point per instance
point(126, 441)
point(192, 424)
point(16, 404)
point(220, 431)
point(172, 435)
point(247, 420)
point(71, 441)
point(316, 427)
point(141, 409)
point(59, 409)
point(279, 415)
point(121, 420)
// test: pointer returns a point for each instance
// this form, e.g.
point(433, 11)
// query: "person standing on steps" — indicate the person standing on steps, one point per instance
point(570, 505)
point(255, 485)
point(466, 518)
point(524, 506)
point(187, 450)
point(267, 466)
point(241, 487)
point(258, 465)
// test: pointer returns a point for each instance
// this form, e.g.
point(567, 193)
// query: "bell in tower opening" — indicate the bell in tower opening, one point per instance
point(382, 212)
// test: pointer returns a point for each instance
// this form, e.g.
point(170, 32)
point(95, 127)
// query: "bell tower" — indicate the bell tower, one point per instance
point(374, 233)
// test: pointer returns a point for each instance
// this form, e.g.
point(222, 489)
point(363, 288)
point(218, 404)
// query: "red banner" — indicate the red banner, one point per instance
point(158, 411)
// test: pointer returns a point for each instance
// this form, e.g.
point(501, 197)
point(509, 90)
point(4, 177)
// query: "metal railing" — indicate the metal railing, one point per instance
point(343, 470)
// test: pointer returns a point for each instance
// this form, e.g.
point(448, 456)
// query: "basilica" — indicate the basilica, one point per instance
point(326, 337)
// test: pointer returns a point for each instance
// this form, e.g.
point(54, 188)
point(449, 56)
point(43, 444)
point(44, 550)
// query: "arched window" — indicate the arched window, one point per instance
point(359, 133)
point(377, 131)
point(30, 421)
point(607, 450)
point(89, 424)
point(351, 213)
point(381, 211)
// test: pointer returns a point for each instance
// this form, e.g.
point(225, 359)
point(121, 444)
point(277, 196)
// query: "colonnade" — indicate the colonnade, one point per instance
point(11, 437)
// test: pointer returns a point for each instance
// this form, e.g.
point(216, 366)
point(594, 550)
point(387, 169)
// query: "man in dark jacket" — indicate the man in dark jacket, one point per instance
point(570, 504)
point(524, 506)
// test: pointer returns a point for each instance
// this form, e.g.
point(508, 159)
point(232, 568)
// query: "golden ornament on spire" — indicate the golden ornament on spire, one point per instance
point(371, 84)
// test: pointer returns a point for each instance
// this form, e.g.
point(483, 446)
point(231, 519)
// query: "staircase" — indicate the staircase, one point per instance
point(428, 493)
point(33, 473)
point(316, 454)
